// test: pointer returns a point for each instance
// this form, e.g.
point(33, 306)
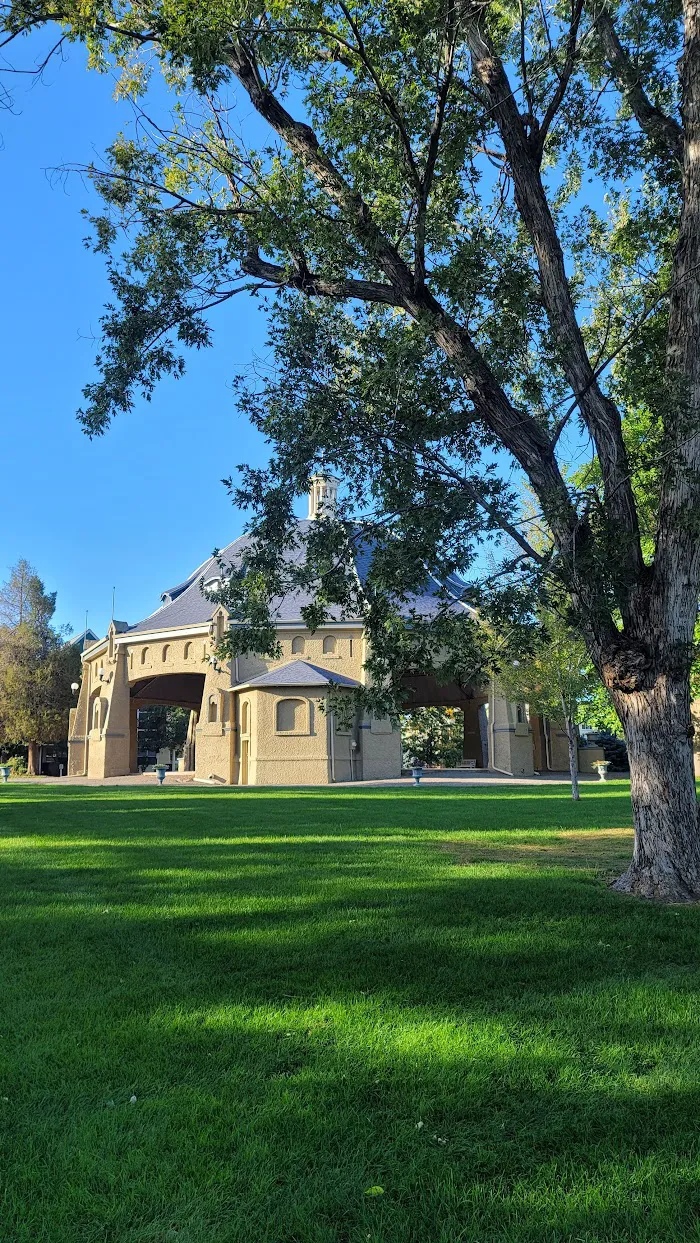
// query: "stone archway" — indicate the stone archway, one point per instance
point(424, 691)
point(179, 690)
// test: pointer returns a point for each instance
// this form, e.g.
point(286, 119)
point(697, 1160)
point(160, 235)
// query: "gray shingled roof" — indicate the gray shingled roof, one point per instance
point(298, 673)
point(186, 605)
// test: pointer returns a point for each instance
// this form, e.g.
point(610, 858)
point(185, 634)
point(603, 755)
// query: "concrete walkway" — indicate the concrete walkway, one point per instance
point(436, 776)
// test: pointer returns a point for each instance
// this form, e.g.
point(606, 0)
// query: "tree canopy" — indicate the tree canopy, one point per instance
point(496, 208)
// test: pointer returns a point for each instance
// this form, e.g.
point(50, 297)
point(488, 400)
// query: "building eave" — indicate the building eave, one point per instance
point(178, 632)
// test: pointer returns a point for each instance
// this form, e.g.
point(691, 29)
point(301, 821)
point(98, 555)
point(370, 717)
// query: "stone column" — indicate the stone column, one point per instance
point(510, 741)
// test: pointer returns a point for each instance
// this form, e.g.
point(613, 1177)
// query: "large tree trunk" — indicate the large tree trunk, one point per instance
point(32, 758)
point(657, 725)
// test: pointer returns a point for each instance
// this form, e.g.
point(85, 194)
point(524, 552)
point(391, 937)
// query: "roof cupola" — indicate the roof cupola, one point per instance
point(323, 496)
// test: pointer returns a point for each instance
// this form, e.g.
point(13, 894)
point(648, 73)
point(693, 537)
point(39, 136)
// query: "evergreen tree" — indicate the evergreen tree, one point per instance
point(161, 726)
point(37, 667)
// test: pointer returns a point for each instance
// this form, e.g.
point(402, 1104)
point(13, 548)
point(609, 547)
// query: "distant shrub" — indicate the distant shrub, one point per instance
point(615, 750)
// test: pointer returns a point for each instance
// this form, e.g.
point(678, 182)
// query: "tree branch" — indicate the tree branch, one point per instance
point(431, 161)
point(662, 129)
point(518, 431)
point(386, 97)
point(317, 286)
point(601, 415)
point(564, 76)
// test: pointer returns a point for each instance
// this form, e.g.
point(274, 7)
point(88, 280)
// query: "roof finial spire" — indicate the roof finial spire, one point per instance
point(323, 496)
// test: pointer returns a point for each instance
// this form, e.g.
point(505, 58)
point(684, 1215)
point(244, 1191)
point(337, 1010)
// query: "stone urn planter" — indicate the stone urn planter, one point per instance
point(601, 767)
point(5, 771)
point(416, 771)
point(160, 773)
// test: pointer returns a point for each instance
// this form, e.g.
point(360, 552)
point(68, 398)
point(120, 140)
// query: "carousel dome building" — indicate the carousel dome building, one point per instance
point(258, 721)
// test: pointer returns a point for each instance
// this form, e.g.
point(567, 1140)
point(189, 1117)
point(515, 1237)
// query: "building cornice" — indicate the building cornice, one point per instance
point(301, 625)
point(185, 632)
point(94, 650)
point(182, 632)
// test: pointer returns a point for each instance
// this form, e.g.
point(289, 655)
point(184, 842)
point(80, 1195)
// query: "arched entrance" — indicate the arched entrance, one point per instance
point(181, 690)
point(424, 691)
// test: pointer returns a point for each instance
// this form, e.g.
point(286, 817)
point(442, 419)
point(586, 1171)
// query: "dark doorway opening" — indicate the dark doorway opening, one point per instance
point(170, 690)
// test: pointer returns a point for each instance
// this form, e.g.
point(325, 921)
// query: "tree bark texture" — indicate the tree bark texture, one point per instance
point(657, 725)
point(572, 739)
point(32, 758)
point(654, 707)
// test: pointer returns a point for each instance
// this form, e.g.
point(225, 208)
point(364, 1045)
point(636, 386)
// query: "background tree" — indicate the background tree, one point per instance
point(555, 677)
point(430, 168)
point(23, 599)
point(433, 735)
point(162, 726)
point(36, 666)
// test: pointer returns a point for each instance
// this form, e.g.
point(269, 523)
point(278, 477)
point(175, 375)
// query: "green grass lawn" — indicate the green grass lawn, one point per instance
point(312, 994)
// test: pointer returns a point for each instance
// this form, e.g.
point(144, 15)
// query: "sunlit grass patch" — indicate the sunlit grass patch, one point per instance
point(606, 851)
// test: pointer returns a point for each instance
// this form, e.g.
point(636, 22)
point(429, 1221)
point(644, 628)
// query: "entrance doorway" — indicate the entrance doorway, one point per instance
point(460, 723)
point(169, 690)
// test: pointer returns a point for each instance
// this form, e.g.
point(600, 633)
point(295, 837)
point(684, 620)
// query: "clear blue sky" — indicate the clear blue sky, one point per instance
point(141, 507)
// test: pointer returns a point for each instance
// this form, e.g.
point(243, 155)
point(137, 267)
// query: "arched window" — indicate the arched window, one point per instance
point(144, 654)
point(188, 649)
point(165, 653)
point(297, 644)
point(329, 645)
point(290, 716)
point(213, 710)
point(99, 713)
point(520, 713)
point(245, 717)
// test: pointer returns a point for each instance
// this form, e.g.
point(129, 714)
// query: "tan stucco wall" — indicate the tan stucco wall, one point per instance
point(104, 705)
point(380, 750)
point(348, 657)
point(558, 748)
point(274, 758)
point(280, 758)
point(213, 738)
point(587, 757)
point(510, 740)
point(110, 745)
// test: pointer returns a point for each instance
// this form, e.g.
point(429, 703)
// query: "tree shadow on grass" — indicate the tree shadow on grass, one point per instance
point(288, 1013)
point(88, 812)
